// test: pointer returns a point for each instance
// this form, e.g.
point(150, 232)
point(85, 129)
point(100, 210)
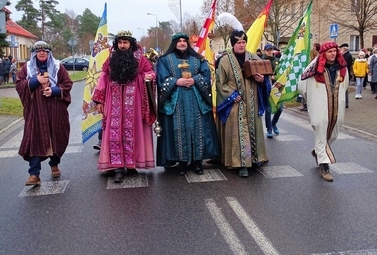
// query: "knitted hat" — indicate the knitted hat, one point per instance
point(236, 36)
point(40, 45)
point(328, 45)
point(362, 53)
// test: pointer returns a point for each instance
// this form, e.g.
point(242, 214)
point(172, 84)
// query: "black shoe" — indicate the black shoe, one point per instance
point(170, 164)
point(182, 168)
point(198, 167)
point(131, 172)
point(97, 146)
point(214, 161)
point(315, 156)
point(243, 172)
point(119, 177)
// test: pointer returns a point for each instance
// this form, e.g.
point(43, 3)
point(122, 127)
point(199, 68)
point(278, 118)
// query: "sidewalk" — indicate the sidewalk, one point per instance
point(360, 116)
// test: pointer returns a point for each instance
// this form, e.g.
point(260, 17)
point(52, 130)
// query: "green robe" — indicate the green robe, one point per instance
point(242, 135)
point(186, 117)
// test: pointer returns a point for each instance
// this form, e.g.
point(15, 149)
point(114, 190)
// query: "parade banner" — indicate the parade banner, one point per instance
point(292, 63)
point(91, 120)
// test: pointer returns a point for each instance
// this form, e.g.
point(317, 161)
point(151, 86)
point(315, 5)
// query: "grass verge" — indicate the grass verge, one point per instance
point(10, 106)
point(13, 106)
point(78, 75)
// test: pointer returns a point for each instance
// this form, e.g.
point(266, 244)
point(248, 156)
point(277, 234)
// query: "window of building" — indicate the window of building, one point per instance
point(354, 43)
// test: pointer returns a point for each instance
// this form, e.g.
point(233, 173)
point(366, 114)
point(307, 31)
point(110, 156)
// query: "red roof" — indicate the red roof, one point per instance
point(14, 29)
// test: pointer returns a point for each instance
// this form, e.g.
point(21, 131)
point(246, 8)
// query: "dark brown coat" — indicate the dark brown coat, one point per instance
point(46, 130)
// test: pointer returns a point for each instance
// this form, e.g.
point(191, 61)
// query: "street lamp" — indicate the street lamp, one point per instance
point(157, 49)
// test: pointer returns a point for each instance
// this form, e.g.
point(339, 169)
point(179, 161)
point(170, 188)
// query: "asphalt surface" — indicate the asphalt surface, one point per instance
point(283, 208)
point(360, 116)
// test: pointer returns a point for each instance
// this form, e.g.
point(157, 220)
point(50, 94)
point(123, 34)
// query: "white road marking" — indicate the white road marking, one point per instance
point(47, 188)
point(209, 175)
point(349, 168)
point(253, 229)
point(279, 171)
point(137, 181)
point(226, 230)
point(360, 252)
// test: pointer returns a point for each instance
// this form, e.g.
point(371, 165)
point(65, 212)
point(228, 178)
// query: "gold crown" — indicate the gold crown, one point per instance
point(124, 33)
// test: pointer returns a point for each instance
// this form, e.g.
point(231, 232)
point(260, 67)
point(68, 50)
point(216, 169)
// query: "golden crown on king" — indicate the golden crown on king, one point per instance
point(124, 33)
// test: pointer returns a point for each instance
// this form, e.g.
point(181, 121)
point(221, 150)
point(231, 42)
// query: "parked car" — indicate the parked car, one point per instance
point(81, 64)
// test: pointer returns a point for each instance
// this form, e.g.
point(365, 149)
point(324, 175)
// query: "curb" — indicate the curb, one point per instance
point(344, 126)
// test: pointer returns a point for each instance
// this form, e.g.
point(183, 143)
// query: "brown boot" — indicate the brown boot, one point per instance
point(325, 172)
point(33, 180)
point(55, 172)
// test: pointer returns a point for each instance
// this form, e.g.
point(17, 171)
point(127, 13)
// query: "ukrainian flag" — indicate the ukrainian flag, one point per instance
point(91, 120)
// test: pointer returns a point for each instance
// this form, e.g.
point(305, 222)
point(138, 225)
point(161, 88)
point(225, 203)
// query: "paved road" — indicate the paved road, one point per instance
point(283, 208)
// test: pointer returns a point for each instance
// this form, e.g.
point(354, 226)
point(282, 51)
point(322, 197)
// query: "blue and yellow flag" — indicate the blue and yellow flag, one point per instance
point(91, 120)
point(292, 63)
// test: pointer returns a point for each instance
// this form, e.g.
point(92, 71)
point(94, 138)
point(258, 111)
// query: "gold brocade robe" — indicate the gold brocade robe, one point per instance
point(242, 135)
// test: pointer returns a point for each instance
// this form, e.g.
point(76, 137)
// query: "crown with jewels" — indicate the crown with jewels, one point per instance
point(124, 33)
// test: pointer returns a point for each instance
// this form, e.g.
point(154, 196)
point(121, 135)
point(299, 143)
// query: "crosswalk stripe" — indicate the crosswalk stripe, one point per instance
point(225, 228)
point(253, 229)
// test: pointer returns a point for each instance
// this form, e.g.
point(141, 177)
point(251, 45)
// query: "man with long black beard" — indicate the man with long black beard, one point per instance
point(122, 97)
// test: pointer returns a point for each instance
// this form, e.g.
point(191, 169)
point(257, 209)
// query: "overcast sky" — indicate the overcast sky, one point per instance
point(126, 14)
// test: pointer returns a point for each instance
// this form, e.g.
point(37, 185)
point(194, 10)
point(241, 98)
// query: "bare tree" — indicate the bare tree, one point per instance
point(353, 15)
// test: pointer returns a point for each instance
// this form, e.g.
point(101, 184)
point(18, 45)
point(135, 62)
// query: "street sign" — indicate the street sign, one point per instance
point(3, 28)
point(3, 3)
point(334, 29)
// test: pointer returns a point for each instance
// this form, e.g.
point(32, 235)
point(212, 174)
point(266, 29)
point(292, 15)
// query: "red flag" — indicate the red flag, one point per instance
point(200, 45)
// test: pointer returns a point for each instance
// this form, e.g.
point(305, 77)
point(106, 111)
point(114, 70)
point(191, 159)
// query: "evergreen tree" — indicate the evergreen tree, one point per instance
point(30, 16)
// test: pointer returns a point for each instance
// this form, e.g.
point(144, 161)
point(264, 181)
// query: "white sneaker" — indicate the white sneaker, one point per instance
point(357, 96)
point(360, 96)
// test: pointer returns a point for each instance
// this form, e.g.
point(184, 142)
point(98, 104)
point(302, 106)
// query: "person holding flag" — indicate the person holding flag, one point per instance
point(271, 124)
point(323, 84)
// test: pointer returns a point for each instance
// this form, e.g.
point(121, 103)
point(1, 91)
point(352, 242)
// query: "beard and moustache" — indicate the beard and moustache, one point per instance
point(123, 66)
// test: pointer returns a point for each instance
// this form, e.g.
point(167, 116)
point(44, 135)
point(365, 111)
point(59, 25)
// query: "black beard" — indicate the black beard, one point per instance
point(123, 66)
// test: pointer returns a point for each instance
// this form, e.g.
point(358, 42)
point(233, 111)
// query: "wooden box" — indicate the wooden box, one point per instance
point(252, 67)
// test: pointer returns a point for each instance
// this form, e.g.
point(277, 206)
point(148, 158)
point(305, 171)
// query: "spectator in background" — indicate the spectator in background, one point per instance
point(13, 70)
point(259, 53)
point(368, 53)
point(1, 72)
point(373, 71)
point(360, 70)
point(348, 58)
point(6, 66)
point(271, 125)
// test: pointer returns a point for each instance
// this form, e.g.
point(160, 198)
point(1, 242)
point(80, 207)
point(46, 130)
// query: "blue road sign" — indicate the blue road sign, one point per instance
point(334, 29)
